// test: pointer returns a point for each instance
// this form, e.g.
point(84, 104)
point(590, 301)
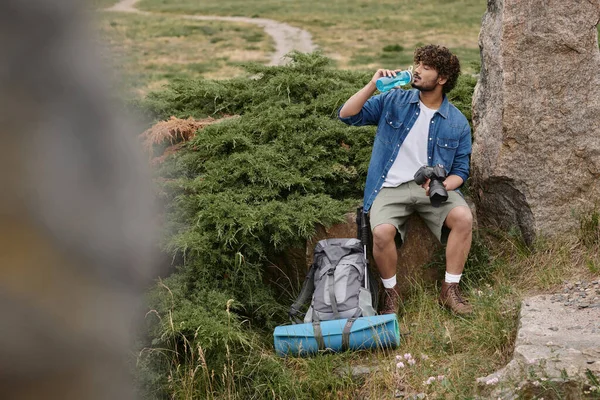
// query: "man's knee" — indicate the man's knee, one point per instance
point(460, 218)
point(383, 235)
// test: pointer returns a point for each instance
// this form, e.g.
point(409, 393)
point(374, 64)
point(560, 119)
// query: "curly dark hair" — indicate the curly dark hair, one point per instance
point(442, 60)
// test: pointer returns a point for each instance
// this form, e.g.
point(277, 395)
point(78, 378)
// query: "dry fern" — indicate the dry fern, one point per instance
point(166, 137)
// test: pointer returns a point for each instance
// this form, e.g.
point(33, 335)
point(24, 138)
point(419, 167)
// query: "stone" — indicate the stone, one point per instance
point(287, 269)
point(418, 249)
point(357, 371)
point(551, 342)
point(536, 116)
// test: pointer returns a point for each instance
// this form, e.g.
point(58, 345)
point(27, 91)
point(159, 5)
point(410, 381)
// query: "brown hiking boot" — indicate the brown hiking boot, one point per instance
point(391, 298)
point(451, 298)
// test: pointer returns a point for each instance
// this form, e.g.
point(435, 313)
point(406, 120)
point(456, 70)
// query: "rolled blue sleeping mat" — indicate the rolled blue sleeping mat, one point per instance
point(379, 331)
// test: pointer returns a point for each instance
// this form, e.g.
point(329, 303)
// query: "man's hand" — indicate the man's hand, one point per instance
point(452, 182)
point(384, 72)
point(358, 100)
point(426, 186)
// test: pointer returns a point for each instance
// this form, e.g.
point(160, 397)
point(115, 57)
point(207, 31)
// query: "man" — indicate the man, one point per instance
point(414, 128)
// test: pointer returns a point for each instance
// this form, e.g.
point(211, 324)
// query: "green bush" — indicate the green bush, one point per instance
point(240, 191)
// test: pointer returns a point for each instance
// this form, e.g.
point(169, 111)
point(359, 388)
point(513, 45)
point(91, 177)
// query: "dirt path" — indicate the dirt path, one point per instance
point(286, 37)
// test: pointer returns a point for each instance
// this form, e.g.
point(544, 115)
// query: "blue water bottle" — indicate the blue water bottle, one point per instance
point(402, 78)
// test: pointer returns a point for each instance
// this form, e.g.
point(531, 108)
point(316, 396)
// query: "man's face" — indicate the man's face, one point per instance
point(425, 78)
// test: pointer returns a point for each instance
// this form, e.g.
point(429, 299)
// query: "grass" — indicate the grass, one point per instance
point(356, 32)
point(150, 51)
point(450, 352)
point(463, 349)
point(500, 272)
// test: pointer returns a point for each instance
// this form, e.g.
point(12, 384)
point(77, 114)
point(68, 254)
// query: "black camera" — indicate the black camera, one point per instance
point(437, 176)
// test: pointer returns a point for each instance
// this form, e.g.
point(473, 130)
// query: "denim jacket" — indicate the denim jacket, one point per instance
point(395, 113)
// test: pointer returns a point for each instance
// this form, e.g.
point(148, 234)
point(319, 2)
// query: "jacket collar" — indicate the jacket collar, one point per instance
point(443, 110)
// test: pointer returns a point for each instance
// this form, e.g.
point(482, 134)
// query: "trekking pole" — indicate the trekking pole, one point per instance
point(364, 238)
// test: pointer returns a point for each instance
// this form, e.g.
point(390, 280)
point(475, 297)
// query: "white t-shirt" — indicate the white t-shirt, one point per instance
point(413, 152)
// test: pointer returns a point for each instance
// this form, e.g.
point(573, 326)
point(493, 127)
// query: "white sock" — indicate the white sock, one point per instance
point(451, 278)
point(389, 282)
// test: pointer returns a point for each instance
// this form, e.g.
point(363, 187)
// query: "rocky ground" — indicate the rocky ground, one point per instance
point(558, 343)
point(579, 295)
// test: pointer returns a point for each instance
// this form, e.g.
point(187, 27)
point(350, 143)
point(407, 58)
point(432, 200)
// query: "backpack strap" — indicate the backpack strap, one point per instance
point(308, 287)
point(318, 335)
point(317, 332)
point(346, 331)
point(334, 306)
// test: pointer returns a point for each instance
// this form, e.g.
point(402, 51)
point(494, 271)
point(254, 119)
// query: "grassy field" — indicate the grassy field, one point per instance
point(356, 32)
point(150, 51)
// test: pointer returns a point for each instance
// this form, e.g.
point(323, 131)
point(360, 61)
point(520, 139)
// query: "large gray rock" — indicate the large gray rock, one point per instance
point(536, 115)
point(554, 342)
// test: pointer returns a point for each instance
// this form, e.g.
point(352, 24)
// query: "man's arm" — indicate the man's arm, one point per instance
point(453, 182)
point(355, 104)
point(357, 101)
point(460, 167)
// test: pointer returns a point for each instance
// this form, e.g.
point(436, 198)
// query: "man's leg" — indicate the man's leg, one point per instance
point(384, 250)
point(460, 223)
point(386, 257)
point(388, 215)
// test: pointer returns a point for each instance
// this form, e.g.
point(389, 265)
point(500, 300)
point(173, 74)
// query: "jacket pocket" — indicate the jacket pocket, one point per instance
point(446, 149)
point(389, 128)
point(392, 120)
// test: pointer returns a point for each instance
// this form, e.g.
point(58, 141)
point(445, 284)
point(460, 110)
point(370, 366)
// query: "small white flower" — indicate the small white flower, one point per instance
point(400, 365)
point(398, 357)
point(424, 357)
point(407, 356)
point(440, 378)
point(412, 361)
point(429, 380)
point(492, 381)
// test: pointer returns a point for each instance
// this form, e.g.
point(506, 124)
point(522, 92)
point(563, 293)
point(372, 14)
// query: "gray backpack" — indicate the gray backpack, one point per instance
point(337, 283)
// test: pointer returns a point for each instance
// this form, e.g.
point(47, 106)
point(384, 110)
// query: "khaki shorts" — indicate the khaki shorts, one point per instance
point(393, 205)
